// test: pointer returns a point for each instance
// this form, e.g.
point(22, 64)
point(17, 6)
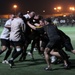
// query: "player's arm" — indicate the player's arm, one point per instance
point(37, 24)
point(7, 26)
point(31, 26)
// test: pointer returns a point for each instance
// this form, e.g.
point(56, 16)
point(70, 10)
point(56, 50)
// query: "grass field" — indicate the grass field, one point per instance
point(36, 67)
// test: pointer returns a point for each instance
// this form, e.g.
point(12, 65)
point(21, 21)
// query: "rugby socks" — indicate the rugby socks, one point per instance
point(16, 54)
point(7, 54)
point(23, 55)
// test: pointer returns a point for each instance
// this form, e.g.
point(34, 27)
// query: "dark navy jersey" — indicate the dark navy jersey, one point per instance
point(51, 31)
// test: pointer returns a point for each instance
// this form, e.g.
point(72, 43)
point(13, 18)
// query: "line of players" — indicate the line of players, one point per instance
point(21, 29)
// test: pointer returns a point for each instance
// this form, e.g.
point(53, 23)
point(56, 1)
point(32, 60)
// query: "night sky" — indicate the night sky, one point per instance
point(6, 6)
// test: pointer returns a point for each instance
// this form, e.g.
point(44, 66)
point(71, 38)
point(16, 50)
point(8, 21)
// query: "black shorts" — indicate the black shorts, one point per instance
point(17, 43)
point(54, 45)
point(44, 43)
point(68, 46)
point(5, 42)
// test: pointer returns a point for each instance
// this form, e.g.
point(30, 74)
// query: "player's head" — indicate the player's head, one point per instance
point(42, 22)
point(49, 20)
point(20, 15)
point(11, 16)
point(32, 14)
point(36, 17)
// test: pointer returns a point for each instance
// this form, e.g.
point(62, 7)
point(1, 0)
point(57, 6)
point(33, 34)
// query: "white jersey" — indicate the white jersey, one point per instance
point(26, 16)
point(5, 33)
point(17, 27)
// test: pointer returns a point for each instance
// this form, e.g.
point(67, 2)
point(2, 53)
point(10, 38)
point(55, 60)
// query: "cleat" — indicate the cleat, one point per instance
point(48, 69)
point(11, 63)
point(5, 62)
point(67, 67)
point(35, 49)
point(30, 54)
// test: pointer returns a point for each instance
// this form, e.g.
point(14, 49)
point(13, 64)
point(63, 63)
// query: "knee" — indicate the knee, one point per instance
point(4, 48)
point(51, 52)
point(46, 51)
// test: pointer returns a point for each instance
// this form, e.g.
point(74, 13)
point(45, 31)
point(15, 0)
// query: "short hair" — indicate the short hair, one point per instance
point(20, 14)
point(43, 20)
point(32, 12)
point(49, 20)
point(40, 17)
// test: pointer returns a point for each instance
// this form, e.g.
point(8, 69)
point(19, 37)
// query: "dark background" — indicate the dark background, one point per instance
point(6, 6)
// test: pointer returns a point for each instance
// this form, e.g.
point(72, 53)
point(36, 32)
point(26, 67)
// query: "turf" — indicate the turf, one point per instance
point(36, 67)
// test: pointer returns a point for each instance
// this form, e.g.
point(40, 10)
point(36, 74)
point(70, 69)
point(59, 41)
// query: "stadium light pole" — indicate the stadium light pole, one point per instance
point(28, 11)
point(15, 8)
point(57, 8)
point(44, 11)
point(72, 9)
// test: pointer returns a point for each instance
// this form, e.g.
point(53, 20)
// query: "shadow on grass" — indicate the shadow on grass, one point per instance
point(28, 63)
point(72, 63)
